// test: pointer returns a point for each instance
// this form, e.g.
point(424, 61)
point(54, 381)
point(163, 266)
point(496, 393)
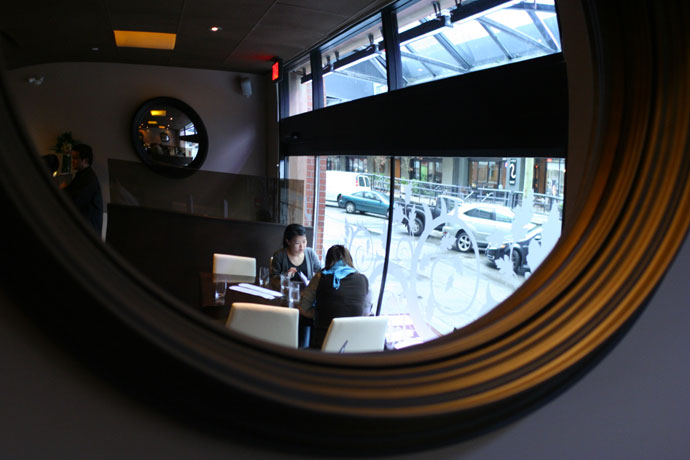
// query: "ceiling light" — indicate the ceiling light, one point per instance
point(151, 40)
point(158, 113)
point(95, 48)
point(215, 28)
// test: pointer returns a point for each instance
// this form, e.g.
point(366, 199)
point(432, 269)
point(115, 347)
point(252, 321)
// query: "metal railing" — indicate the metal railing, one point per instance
point(428, 191)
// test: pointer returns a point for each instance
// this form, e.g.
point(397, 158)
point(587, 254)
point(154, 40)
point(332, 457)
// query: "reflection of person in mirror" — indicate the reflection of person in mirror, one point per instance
point(336, 291)
point(85, 190)
point(295, 257)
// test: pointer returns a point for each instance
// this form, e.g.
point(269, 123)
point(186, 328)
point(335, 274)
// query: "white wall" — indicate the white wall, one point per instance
point(96, 101)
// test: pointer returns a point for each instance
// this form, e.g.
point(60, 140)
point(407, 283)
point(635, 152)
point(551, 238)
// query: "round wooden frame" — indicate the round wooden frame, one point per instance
point(168, 170)
point(635, 214)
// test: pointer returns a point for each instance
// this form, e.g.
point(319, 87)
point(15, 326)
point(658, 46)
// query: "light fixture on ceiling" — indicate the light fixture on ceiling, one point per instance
point(215, 28)
point(139, 39)
point(95, 48)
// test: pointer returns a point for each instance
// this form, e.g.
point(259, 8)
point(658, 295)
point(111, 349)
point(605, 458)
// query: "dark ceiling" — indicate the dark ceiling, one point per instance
point(253, 31)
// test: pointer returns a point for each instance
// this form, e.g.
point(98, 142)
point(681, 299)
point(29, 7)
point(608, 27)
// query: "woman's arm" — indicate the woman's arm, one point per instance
point(306, 304)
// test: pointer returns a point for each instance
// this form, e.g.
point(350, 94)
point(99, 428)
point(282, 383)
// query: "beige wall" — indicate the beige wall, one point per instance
point(96, 101)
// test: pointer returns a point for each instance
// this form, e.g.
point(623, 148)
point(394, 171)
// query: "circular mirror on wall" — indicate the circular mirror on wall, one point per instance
point(169, 137)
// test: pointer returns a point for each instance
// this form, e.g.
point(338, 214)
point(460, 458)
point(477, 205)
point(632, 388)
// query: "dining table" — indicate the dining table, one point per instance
point(237, 289)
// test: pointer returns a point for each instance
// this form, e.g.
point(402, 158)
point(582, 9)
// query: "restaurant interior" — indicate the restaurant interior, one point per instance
point(211, 135)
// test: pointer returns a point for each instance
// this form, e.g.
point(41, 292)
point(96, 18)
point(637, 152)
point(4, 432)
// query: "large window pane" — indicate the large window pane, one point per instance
point(354, 66)
point(466, 232)
point(300, 88)
point(442, 41)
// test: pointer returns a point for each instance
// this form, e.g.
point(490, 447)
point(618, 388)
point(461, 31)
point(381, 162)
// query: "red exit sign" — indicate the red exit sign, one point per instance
point(275, 71)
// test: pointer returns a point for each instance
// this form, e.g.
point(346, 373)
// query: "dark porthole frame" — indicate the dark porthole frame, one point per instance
point(166, 170)
point(559, 322)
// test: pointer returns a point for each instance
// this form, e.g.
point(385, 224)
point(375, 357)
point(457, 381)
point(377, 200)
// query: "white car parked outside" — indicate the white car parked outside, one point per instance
point(483, 220)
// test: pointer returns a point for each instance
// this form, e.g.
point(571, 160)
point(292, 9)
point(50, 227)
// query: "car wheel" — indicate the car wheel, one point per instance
point(350, 207)
point(463, 242)
point(417, 226)
point(516, 258)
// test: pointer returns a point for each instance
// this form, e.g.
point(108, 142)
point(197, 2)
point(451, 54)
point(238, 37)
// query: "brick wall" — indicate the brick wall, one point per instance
point(309, 198)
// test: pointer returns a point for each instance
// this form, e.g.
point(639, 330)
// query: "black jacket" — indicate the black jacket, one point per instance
point(85, 192)
point(351, 299)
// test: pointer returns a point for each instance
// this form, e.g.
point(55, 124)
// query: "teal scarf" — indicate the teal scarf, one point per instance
point(339, 270)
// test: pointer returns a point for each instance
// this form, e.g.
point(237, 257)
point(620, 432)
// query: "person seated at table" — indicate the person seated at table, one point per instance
point(294, 257)
point(336, 291)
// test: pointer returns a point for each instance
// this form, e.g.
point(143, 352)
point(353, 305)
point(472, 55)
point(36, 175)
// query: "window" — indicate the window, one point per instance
point(439, 39)
point(354, 67)
point(300, 88)
point(480, 213)
point(469, 227)
point(451, 257)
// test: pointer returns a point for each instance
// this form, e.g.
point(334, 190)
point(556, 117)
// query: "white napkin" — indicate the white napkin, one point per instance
point(260, 289)
point(252, 292)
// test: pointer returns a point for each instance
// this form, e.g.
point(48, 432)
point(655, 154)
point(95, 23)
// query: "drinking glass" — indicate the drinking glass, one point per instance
point(219, 293)
point(293, 295)
point(284, 283)
point(263, 276)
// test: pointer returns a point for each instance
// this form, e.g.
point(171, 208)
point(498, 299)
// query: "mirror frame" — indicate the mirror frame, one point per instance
point(537, 342)
point(170, 171)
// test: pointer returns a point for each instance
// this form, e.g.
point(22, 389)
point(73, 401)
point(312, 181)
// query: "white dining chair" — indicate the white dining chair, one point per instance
point(226, 264)
point(278, 325)
point(355, 334)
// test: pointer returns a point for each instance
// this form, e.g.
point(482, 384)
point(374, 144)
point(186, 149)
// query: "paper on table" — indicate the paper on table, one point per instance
point(304, 277)
point(261, 289)
point(251, 291)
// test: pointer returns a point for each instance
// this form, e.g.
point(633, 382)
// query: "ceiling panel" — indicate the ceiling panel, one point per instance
point(164, 22)
point(148, 7)
point(237, 10)
point(338, 7)
point(254, 31)
point(285, 16)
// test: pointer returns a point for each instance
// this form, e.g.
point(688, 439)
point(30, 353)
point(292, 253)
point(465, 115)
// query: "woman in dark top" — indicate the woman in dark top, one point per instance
point(336, 291)
point(294, 256)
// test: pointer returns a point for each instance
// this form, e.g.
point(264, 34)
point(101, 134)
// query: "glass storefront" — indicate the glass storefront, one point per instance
point(457, 249)
point(465, 230)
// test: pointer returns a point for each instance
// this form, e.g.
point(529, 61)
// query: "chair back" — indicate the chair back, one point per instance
point(355, 334)
point(226, 264)
point(278, 325)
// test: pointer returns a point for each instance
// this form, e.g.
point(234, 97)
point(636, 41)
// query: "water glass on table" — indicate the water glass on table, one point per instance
point(263, 276)
point(219, 292)
point(284, 283)
point(293, 295)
